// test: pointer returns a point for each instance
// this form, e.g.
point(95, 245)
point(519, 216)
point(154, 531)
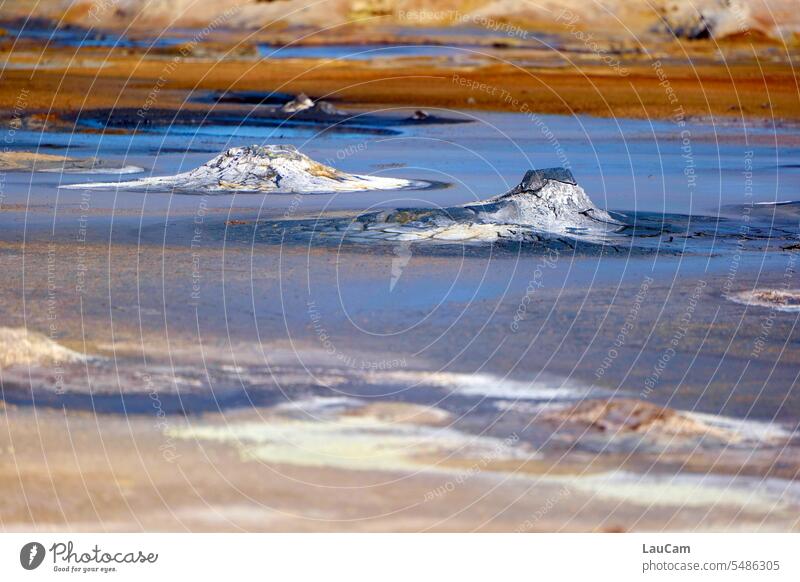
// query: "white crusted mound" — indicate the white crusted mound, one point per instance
point(271, 168)
point(20, 347)
point(548, 200)
point(547, 204)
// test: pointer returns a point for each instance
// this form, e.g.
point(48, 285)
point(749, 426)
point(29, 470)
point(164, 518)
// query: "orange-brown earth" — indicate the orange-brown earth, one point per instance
point(749, 87)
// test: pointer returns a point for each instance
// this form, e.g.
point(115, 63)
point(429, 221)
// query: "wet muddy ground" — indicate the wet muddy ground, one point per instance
point(232, 376)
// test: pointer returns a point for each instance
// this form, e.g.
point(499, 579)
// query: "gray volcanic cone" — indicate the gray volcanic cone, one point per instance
point(547, 203)
point(270, 168)
point(548, 199)
point(549, 210)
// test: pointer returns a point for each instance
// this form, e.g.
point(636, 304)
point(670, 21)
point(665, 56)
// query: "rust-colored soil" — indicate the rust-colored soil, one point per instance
point(749, 88)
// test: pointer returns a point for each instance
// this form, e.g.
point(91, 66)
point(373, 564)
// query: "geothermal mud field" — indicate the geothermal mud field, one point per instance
point(417, 358)
point(470, 283)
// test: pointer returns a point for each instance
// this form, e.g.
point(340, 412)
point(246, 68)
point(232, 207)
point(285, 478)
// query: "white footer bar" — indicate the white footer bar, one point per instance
point(400, 557)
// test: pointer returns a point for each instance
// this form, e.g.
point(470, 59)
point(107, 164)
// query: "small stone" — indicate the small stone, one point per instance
point(299, 103)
